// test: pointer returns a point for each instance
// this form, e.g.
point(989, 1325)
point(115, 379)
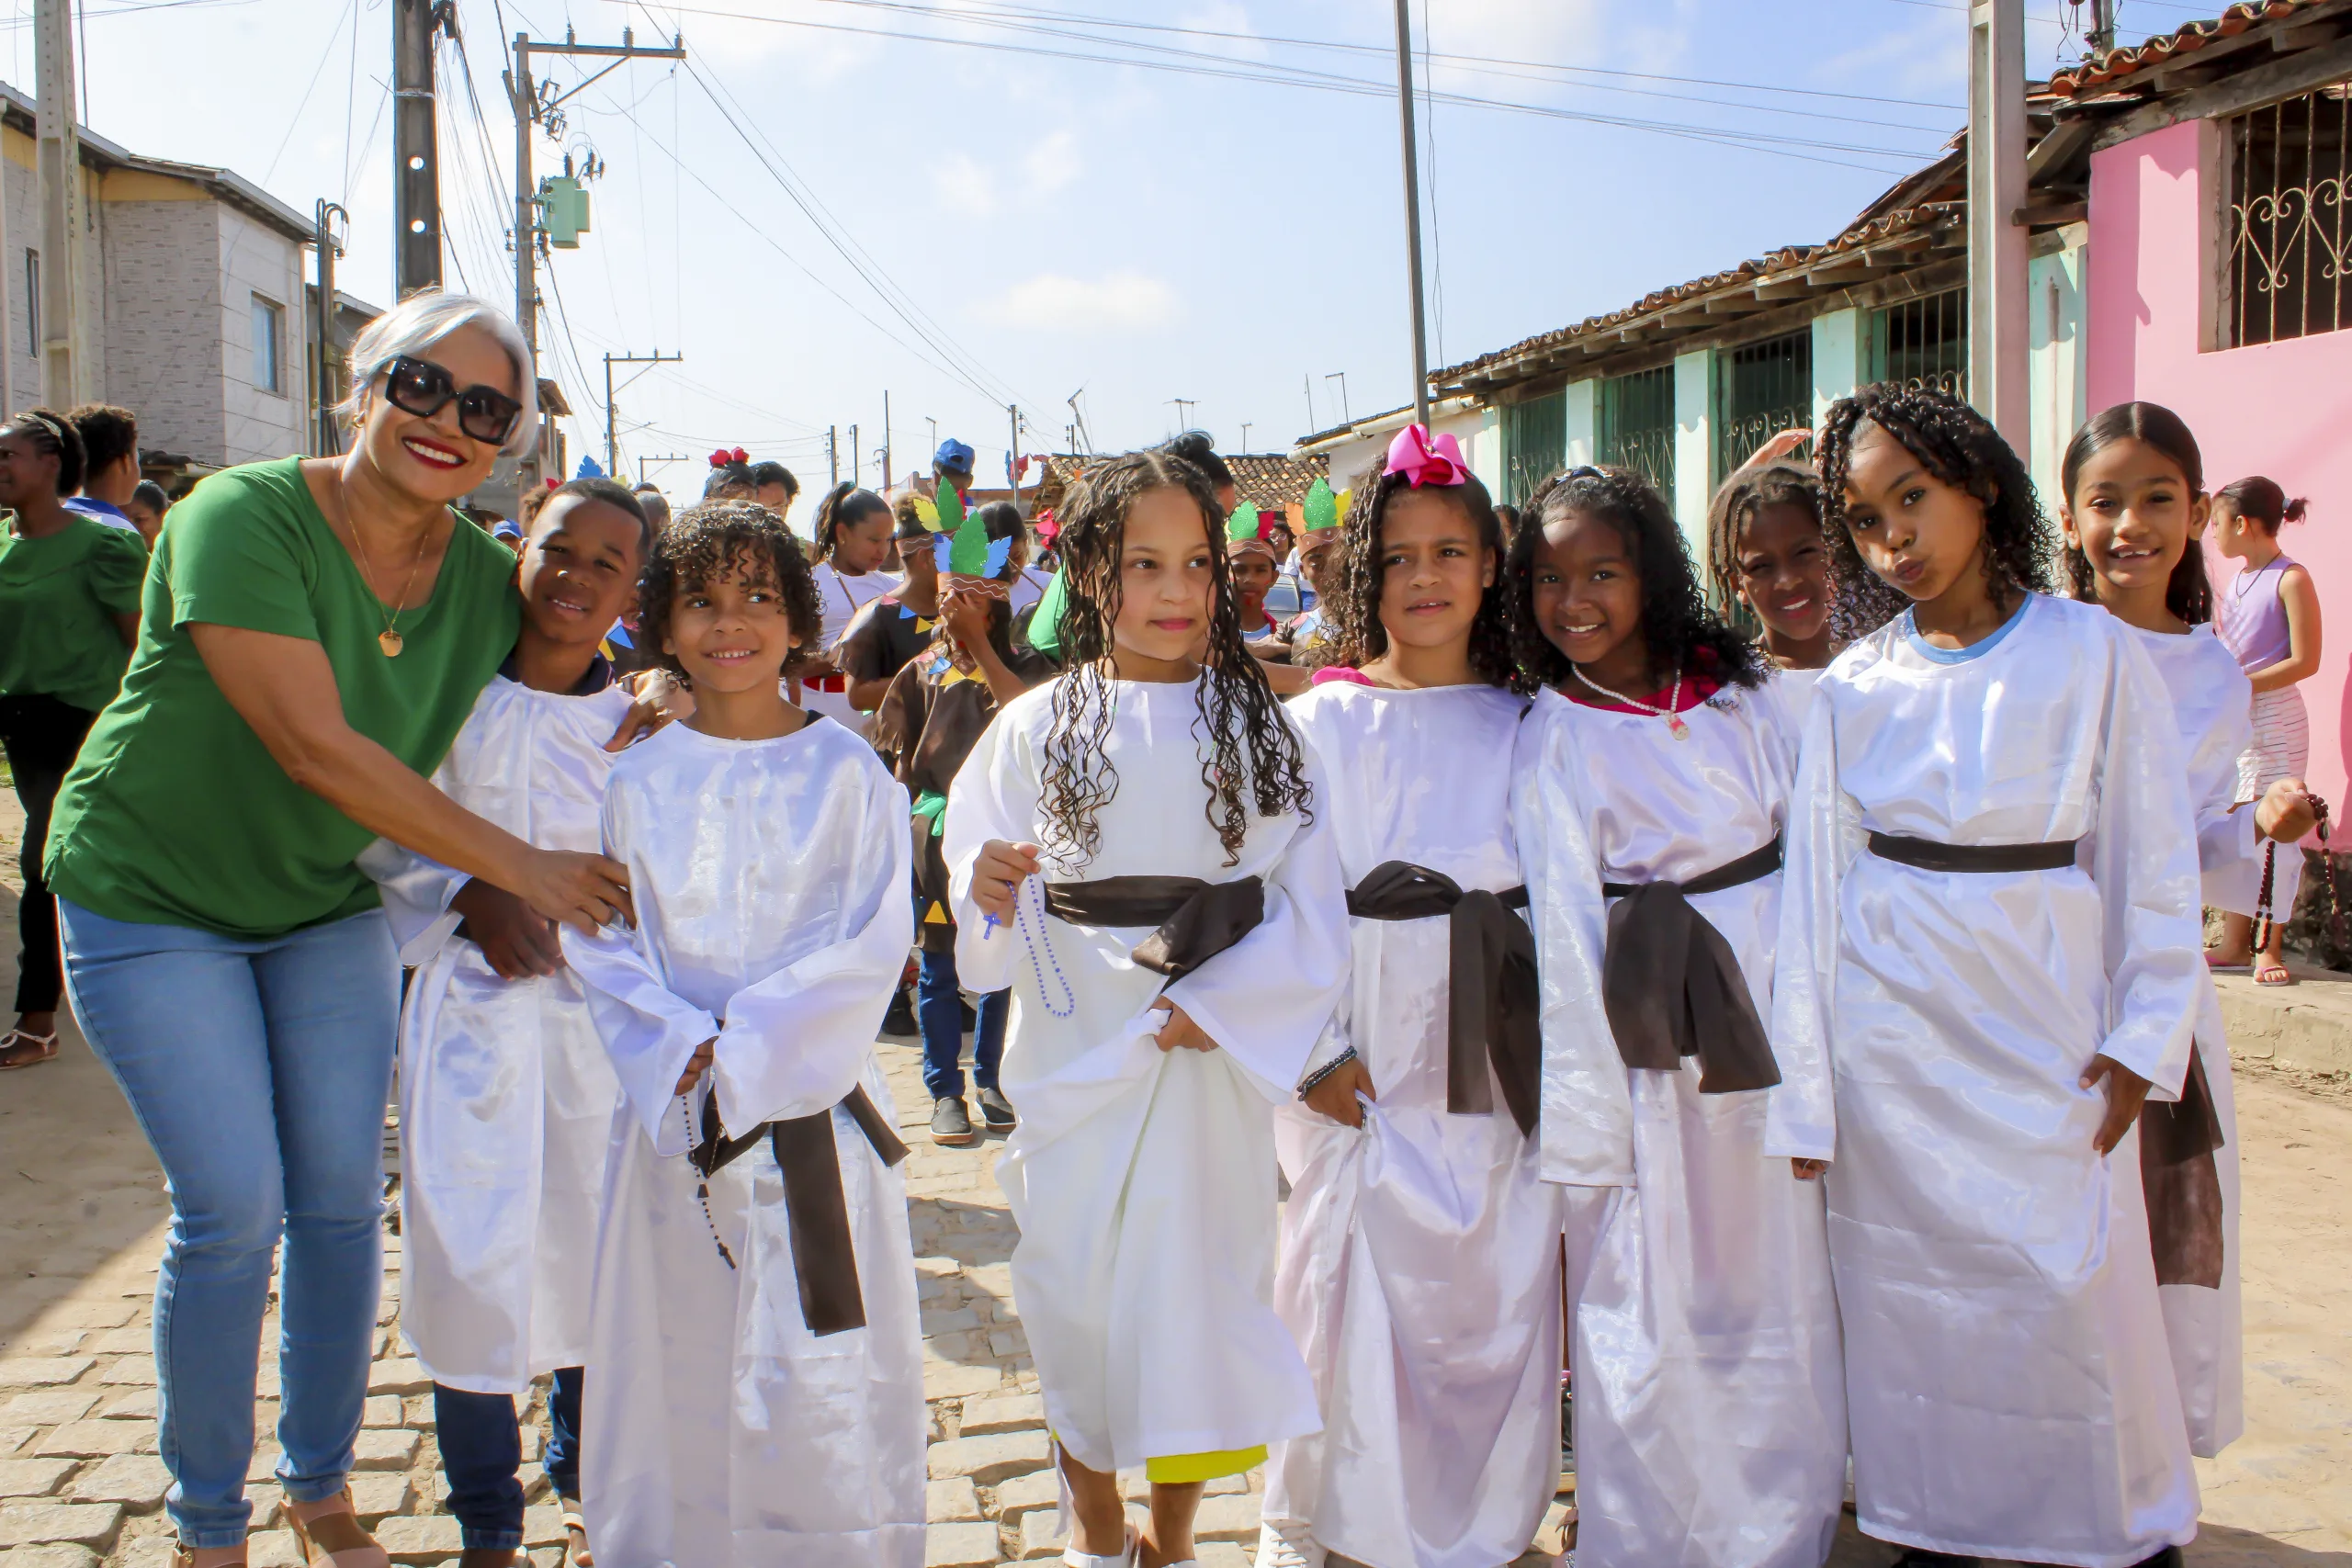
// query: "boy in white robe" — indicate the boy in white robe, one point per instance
point(1410, 1160)
point(1989, 960)
point(1131, 849)
point(755, 1349)
point(506, 1096)
point(1651, 788)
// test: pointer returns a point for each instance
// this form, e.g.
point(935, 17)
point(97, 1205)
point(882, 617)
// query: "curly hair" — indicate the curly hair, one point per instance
point(1358, 635)
point(1734, 506)
point(1677, 623)
point(709, 541)
point(2188, 594)
point(1953, 442)
point(1252, 758)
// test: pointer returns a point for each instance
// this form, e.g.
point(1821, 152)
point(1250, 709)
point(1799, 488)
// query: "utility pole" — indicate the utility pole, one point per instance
point(611, 431)
point(646, 462)
point(2100, 40)
point(833, 458)
point(58, 164)
point(416, 163)
point(1997, 307)
point(1413, 215)
point(1012, 457)
point(524, 96)
point(328, 440)
point(857, 458)
point(886, 438)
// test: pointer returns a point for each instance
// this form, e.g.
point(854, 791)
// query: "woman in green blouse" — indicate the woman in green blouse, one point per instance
point(312, 637)
point(69, 611)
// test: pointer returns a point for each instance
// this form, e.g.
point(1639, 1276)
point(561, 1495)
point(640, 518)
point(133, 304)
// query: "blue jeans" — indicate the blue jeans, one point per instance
point(258, 1069)
point(940, 1013)
point(481, 1452)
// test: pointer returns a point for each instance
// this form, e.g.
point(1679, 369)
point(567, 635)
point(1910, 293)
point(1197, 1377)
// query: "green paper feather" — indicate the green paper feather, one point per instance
point(968, 555)
point(1243, 523)
point(1321, 508)
point(951, 508)
point(1046, 621)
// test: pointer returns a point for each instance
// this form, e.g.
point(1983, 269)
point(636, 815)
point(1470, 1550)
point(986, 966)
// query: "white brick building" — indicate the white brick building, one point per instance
point(195, 310)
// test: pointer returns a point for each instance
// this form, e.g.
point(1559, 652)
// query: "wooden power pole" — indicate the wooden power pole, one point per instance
point(59, 168)
point(1998, 381)
point(416, 166)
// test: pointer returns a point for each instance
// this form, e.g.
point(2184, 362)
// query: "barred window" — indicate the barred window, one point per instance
point(1536, 443)
point(1638, 426)
point(2284, 276)
point(1922, 342)
point(1761, 389)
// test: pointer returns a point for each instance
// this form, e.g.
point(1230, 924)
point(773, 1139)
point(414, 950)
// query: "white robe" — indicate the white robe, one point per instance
point(1143, 1181)
point(1419, 1267)
point(2212, 701)
point(1710, 1414)
point(770, 885)
point(506, 1097)
point(2008, 1380)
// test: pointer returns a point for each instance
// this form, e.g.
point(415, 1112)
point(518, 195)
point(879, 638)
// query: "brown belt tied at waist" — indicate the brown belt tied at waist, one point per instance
point(2182, 1182)
point(1672, 987)
point(1192, 920)
point(1928, 855)
point(814, 1209)
point(1493, 1001)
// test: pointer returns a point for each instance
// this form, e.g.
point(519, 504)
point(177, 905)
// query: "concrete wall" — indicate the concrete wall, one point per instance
point(2276, 409)
point(2059, 392)
point(1694, 446)
point(259, 424)
point(163, 347)
point(1841, 347)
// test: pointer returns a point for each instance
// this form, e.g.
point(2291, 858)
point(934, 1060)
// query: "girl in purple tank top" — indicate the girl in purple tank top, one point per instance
point(2268, 616)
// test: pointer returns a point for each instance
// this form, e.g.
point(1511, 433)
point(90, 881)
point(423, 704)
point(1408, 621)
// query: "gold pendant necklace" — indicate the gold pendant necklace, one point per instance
point(389, 639)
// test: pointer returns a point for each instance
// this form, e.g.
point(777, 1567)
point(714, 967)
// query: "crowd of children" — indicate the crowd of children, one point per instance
point(1734, 983)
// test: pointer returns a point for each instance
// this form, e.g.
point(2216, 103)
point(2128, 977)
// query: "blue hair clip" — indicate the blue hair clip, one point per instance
point(1000, 552)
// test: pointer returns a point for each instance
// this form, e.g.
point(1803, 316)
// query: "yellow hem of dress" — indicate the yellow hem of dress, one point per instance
point(1185, 1470)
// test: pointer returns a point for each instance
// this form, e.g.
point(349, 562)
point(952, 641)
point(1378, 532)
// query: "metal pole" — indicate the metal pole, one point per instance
point(1998, 313)
point(416, 174)
point(329, 438)
point(527, 287)
point(59, 160)
point(833, 458)
point(1012, 460)
point(1413, 211)
point(2100, 40)
point(857, 458)
point(886, 439)
point(612, 442)
point(1306, 381)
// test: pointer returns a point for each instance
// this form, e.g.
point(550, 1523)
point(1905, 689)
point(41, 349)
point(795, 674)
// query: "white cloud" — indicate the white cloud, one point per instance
point(1052, 301)
point(965, 185)
point(1051, 166)
point(980, 191)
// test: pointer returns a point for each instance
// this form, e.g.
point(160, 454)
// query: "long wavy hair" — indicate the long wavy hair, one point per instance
point(1250, 756)
point(1358, 635)
point(1677, 623)
point(1953, 442)
point(2189, 595)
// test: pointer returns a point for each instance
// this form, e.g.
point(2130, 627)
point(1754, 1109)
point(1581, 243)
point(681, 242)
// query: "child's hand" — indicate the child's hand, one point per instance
point(1808, 1170)
point(1779, 447)
point(696, 1065)
point(965, 615)
point(1181, 1031)
point(516, 943)
point(997, 876)
point(2286, 812)
point(2126, 1090)
point(1336, 1096)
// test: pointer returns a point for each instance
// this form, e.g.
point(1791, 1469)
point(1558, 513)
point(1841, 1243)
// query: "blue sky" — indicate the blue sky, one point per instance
point(1053, 223)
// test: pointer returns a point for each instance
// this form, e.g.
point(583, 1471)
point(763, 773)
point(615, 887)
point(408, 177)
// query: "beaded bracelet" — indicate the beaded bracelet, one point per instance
point(1306, 1085)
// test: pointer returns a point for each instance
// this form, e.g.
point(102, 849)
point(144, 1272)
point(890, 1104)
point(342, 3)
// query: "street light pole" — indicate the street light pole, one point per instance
point(611, 429)
point(1998, 380)
point(1412, 212)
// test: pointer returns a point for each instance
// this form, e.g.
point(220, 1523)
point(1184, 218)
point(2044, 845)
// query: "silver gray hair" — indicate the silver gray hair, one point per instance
point(413, 326)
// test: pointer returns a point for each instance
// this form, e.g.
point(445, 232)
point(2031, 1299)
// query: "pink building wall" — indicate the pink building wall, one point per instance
point(2282, 409)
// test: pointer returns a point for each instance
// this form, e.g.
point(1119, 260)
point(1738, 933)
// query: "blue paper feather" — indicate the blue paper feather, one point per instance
point(1000, 552)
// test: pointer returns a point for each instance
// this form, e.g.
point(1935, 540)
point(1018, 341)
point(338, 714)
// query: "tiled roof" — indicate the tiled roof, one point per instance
point(1265, 480)
point(2113, 67)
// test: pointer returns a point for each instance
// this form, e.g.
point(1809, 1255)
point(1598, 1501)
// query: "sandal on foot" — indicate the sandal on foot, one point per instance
point(206, 1557)
point(302, 1515)
point(1125, 1558)
point(18, 1049)
point(2271, 972)
point(575, 1532)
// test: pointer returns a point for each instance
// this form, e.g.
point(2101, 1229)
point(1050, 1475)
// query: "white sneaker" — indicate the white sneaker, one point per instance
point(1125, 1558)
point(1286, 1546)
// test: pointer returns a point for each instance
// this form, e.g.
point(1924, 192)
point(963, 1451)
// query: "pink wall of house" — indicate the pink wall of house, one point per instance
point(2282, 409)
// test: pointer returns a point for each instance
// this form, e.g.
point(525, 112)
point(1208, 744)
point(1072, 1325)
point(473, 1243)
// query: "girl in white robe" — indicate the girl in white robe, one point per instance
point(2134, 512)
point(1768, 554)
point(1649, 797)
point(853, 536)
point(1988, 956)
point(1420, 1266)
point(1155, 1023)
point(756, 1366)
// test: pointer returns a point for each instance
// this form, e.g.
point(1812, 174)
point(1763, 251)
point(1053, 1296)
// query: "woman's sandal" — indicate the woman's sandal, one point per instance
point(2271, 972)
point(575, 1532)
point(363, 1553)
point(18, 1049)
point(206, 1557)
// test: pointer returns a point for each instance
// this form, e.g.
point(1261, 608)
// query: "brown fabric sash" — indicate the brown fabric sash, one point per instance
point(1493, 1000)
point(1672, 987)
point(2182, 1182)
point(1928, 855)
point(824, 1258)
point(1192, 920)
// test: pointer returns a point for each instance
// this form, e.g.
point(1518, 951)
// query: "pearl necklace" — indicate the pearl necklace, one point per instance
point(1674, 725)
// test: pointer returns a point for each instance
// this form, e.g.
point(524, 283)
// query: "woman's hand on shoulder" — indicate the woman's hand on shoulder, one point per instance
point(997, 876)
point(585, 892)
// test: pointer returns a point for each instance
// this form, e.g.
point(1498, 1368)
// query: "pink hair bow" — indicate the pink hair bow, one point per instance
point(1426, 461)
